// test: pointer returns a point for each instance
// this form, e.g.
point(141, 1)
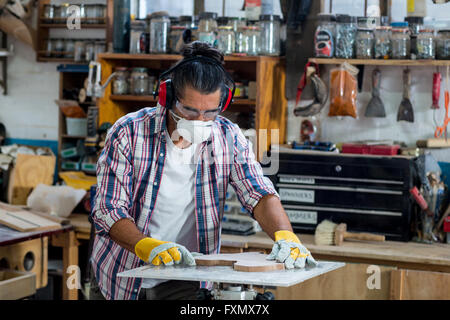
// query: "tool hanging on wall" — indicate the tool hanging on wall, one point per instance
point(405, 110)
point(95, 88)
point(375, 108)
point(310, 87)
point(440, 131)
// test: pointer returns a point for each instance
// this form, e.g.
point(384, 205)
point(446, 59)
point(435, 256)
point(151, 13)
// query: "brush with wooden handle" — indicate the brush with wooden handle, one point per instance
point(329, 233)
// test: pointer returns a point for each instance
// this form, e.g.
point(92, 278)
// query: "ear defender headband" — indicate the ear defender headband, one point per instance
point(166, 92)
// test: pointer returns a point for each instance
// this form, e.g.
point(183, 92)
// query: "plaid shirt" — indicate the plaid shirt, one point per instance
point(129, 172)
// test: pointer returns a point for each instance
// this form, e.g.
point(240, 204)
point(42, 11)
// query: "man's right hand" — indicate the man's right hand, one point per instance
point(156, 252)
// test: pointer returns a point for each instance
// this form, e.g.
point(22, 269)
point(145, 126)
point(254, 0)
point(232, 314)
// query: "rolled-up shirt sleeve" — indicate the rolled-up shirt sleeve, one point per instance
point(247, 176)
point(113, 197)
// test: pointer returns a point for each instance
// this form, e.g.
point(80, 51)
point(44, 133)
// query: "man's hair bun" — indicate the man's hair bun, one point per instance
point(198, 48)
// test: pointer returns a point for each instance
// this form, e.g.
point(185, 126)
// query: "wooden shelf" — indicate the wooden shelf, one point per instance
point(175, 57)
point(131, 98)
point(64, 26)
point(380, 62)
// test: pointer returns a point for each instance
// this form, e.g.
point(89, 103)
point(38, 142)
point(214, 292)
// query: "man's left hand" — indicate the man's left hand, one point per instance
point(289, 250)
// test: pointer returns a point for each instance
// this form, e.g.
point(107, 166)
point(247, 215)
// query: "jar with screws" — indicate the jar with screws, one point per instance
point(382, 48)
point(324, 43)
point(425, 45)
point(226, 40)
point(176, 40)
point(443, 45)
point(49, 13)
point(345, 36)
point(139, 81)
point(415, 24)
point(207, 27)
point(159, 32)
point(120, 83)
point(252, 40)
point(137, 28)
point(365, 40)
point(400, 40)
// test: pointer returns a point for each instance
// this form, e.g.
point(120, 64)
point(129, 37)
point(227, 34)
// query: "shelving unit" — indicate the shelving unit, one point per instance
point(43, 31)
point(268, 72)
point(380, 62)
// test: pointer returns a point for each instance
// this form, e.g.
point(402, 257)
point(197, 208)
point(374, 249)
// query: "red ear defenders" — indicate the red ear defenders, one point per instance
point(166, 92)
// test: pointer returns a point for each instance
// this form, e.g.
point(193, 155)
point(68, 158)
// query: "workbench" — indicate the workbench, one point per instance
point(14, 244)
point(407, 270)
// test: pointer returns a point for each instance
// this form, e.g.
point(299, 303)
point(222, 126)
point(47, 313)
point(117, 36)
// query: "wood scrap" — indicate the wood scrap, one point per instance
point(246, 261)
point(25, 221)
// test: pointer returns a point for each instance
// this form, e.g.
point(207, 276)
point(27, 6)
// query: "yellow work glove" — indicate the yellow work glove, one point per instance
point(156, 252)
point(289, 250)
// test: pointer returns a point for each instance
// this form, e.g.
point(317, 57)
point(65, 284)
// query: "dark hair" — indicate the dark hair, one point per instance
point(203, 76)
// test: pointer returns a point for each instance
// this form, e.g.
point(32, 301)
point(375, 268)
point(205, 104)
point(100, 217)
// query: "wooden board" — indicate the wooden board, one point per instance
point(347, 283)
point(246, 261)
point(26, 221)
point(80, 222)
point(433, 143)
point(419, 285)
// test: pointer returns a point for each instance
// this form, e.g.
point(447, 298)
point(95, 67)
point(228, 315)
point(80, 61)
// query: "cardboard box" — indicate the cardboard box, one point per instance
point(16, 284)
point(29, 171)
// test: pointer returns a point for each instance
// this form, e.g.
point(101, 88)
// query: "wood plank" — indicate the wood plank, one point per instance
point(347, 283)
point(390, 62)
point(80, 222)
point(420, 285)
point(246, 262)
point(25, 221)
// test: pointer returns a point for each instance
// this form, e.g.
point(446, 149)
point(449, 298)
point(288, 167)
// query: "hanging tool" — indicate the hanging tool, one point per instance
point(443, 130)
point(405, 110)
point(96, 89)
point(318, 89)
point(375, 108)
point(436, 89)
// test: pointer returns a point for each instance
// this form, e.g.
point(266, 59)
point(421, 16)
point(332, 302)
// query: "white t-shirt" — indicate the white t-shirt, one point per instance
point(173, 218)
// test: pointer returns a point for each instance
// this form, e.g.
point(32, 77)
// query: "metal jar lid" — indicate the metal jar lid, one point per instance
point(159, 14)
point(414, 20)
point(326, 17)
point(208, 15)
point(140, 69)
point(345, 18)
point(269, 17)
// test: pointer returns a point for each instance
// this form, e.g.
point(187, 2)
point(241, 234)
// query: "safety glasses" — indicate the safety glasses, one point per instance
point(191, 113)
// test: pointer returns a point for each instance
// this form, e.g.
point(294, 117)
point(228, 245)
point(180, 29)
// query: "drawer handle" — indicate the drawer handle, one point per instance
point(338, 168)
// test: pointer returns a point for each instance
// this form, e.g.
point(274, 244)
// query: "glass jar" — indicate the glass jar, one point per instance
point(226, 41)
point(99, 13)
point(400, 41)
point(270, 34)
point(415, 24)
point(367, 22)
point(48, 14)
point(324, 36)
point(425, 45)
point(252, 40)
point(91, 12)
point(137, 29)
point(239, 91)
point(382, 48)
point(69, 48)
point(345, 36)
point(58, 48)
point(152, 81)
point(48, 47)
point(139, 81)
point(207, 27)
point(120, 82)
point(89, 51)
point(364, 43)
point(237, 23)
point(63, 13)
point(176, 41)
point(99, 47)
point(187, 21)
point(443, 45)
point(159, 32)
point(79, 51)
point(222, 21)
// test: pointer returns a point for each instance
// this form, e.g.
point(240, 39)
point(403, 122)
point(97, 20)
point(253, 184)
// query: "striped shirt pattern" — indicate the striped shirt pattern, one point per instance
point(129, 172)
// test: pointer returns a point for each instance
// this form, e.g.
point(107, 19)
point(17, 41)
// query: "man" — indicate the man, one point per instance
point(162, 180)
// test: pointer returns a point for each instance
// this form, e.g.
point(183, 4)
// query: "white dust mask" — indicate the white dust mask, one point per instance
point(194, 131)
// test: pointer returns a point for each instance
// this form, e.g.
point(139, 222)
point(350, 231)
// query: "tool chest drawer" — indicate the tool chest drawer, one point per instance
point(368, 193)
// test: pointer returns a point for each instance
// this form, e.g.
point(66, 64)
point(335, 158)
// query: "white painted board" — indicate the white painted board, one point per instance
point(226, 274)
